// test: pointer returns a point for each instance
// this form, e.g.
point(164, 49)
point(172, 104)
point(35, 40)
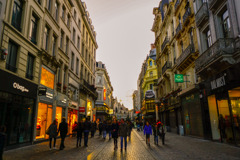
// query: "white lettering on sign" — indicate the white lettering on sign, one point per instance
point(218, 83)
point(21, 88)
point(49, 95)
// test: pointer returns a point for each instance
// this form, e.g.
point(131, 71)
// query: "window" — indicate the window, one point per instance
point(72, 61)
point(86, 53)
point(61, 40)
point(75, 15)
point(30, 63)
point(39, 1)
point(74, 33)
point(89, 59)
point(56, 11)
point(63, 12)
point(209, 38)
point(33, 29)
point(59, 75)
point(151, 74)
point(81, 75)
point(150, 63)
point(83, 31)
point(86, 38)
point(191, 37)
point(17, 14)
point(226, 24)
point(174, 54)
point(64, 77)
point(85, 74)
point(79, 24)
point(46, 37)
point(49, 5)
point(12, 56)
point(179, 19)
point(181, 46)
point(77, 66)
point(78, 43)
point(54, 42)
point(83, 50)
point(68, 21)
point(151, 86)
point(67, 45)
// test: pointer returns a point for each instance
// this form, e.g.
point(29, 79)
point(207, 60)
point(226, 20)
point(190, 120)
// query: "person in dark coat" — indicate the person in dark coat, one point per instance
point(52, 132)
point(63, 129)
point(100, 127)
point(129, 129)
point(2, 140)
point(79, 133)
point(114, 130)
point(93, 129)
point(86, 128)
point(123, 133)
point(109, 129)
point(104, 129)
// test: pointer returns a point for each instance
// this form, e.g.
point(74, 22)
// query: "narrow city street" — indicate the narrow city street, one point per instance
point(176, 147)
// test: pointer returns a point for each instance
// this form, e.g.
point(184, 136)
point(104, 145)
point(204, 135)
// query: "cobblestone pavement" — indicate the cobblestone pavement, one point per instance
point(176, 147)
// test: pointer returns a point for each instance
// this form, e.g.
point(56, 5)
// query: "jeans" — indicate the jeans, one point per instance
point(109, 134)
point(104, 134)
point(92, 133)
point(156, 139)
point(50, 142)
point(86, 133)
point(125, 142)
point(79, 140)
point(115, 142)
point(62, 142)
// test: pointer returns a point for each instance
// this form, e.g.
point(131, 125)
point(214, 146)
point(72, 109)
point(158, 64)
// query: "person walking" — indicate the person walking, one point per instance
point(79, 133)
point(2, 140)
point(109, 129)
point(86, 128)
point(148, 132)
point(100, 127)
point(63, 129)
point(141, 125)
point(155, 133)
point(114, 130)
point(162, 130)
point(123, 133)
point(129, 129)
point(104, 129)
point(93, 128)
point(52, 132)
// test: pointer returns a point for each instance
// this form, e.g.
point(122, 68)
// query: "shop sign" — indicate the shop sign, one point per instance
point(217, 83)
point(20, 87)
point(48, 97)
point(104, 94)
point(149, 94)
point(178, 78)
point(73, 105)
point(62, 100)
point(110, 111)
point(82, 109)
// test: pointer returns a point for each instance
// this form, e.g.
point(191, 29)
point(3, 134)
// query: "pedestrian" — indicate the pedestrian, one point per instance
point(115, 128)
point(155, 133)
point(109, 129)
point(63, 129)
point(104, 129)
point(141, 125)
point(52, 132)
point(74, 129)
point(79, 133)
point(148, 132)
point(100, 127)
point(86, 128)
point(2, 140)
point(129, 129)
point(162, 130)
point(93, 128)
point(123, 133)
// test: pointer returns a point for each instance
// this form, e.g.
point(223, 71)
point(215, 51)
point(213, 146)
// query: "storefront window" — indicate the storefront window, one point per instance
point(47, 78)
point(72, 118)
point(59, 115)
point(44, 119)
point(89, 108)
point(234, 96)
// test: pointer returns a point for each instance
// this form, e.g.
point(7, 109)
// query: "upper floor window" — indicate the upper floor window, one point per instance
point(226, 24)
point(182, 47)
point(72, 61)
point(67, 45)
point(61, 40)
point(209, 38)
point(151, 74)
point(56, 10)
point(46, 37)
point(17, 14)
point(83, 50)
point(30, 63)
point(78, 43)
point(150, 63)
point(151, 86)
point(49, 5)
point(77, 66)
point(63, 12)
point(68, 20)
point(79, 23)
point(33, 29)
point(54, 43)
point(75, 15)
point(12, 56)
point(74, 35)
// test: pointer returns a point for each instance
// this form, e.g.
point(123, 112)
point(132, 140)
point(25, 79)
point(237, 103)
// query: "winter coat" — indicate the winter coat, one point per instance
point(123, 130)
point(52, 131)
point(147, 129)
point(100, 126)
point(63, 129)
point(104, 127)
point(79, 129)
point(93, 127)
point(115, 128)
point(109, 127)
point(86, 126)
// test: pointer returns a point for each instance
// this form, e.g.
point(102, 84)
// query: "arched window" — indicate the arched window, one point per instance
point(150, 63)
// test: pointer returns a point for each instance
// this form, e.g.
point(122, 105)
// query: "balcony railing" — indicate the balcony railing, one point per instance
point(202, 14)
point(185, 54)
point(215, 3)
point(165, 42)
point(179, 28)
point(187, 14)
point(167, 65)
point(177, 4)
point(223, 46)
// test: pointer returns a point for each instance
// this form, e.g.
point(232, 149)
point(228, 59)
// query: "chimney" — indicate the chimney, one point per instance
point(152, 46)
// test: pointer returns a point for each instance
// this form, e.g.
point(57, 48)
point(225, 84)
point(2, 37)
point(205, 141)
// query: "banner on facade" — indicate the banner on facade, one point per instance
point(82, 109)
point(178, 78)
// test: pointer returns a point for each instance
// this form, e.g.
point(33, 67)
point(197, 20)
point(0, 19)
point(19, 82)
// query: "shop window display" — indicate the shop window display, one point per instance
point(59, 115)
point(47, 78)
point(44, 119)
point(72, 118)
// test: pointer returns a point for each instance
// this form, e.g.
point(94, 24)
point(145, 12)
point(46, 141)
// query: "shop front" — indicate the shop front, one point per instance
point(72, 115)
point(223, 97)
point(17, 108)
point(62, 104)
point(45, 105)
point(101, 111)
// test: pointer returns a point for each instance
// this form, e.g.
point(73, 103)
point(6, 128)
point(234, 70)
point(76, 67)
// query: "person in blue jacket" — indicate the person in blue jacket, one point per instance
point(148, 132)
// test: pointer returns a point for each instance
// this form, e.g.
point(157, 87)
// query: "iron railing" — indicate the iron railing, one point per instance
point(165, 42)
point(179, 28)
point(185, 54)
point(187, 14)
point(177, 4)
point(167, 65)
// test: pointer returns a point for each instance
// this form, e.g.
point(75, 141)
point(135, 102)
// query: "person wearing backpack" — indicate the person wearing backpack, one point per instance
point(52, 132)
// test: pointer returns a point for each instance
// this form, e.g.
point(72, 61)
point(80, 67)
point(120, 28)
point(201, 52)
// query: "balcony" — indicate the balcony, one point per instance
point(85, 86)
point(185, 58)
point(177, 4)
point(219, 53)
point(165, 42)
point(179, 28)
point(202, 15)
point(214, 4)
point(186, 15)
point(167, 65)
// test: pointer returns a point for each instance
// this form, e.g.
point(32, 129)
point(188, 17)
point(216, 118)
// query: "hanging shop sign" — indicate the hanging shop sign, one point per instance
point(178, 78)
point(110, 111)
point(219, 82)
point(73, 105)
point(149, 94)
point(82, 110)
point(62, 100)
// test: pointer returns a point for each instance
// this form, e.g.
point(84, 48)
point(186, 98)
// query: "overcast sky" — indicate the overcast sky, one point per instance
point(124, 37)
